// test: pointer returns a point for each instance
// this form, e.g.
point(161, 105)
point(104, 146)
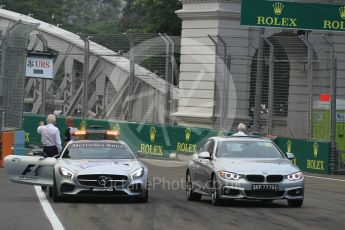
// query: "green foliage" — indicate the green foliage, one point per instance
point(47, 10)
point(152, 16)
point(84, 16)
point(91, 16)
point(102, 16)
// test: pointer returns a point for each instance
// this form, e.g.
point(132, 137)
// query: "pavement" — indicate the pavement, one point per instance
point(19, 206)
point(168, 208)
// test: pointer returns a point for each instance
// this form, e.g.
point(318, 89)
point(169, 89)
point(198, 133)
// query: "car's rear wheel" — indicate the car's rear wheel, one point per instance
point(215, 199)
point(295, 203)
point(190, 194)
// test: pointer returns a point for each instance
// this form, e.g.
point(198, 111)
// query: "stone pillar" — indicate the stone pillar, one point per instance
point(198, 61)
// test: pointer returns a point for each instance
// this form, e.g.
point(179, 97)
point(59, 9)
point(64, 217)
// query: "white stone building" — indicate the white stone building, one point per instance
point(198, 98)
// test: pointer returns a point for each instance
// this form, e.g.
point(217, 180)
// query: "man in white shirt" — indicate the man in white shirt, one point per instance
point(241, 130)
point(50, 136)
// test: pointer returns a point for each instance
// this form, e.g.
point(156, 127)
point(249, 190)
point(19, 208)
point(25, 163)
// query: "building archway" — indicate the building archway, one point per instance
point(281, 80)
point(290, 94)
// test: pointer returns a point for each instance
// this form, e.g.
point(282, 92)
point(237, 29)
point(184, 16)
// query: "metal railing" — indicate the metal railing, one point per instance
point(13, 56)
point(127, 77)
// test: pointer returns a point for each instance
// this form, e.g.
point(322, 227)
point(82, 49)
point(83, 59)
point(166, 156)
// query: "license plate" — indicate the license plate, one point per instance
point(265, 187)
point(103, 189)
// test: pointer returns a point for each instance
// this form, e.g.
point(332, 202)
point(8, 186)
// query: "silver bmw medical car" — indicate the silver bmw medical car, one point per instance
point(105, 168)
point(243, 168)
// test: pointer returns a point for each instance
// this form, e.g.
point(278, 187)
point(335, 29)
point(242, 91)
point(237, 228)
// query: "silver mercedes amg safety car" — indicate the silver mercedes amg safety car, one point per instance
point(105, 168)
point(244, 168)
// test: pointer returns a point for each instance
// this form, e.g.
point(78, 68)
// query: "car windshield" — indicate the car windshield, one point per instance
point(247, 149)
point(97, 150)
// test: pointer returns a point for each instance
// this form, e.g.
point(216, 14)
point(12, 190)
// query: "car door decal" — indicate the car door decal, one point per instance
point(30, 173)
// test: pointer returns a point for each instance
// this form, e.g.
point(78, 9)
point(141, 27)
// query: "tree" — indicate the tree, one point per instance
point(84, 16)
point(48, 10)
point(91, 16)
point(102, 16)
point(152, 16)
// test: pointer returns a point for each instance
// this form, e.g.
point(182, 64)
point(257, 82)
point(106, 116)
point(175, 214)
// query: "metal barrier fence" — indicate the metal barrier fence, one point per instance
point(2, 119)
point(272, 83)
point(282, 93)
point(284, 84)
point(134, 77)
point(340, 119)
point(127, 77)
point(13, 55)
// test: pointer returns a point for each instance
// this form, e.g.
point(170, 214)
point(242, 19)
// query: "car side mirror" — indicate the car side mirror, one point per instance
point(290, 156)
point(204, 155)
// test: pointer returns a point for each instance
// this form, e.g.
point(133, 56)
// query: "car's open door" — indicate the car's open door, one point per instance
point(35, 170)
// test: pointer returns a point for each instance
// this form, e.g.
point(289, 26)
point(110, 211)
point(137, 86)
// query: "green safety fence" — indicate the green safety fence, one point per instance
point(161, 140)
point(151, 140)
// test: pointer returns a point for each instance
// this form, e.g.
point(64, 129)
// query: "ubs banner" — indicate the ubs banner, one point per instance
point(294, 15)
point(311, 156)
point(39, 66)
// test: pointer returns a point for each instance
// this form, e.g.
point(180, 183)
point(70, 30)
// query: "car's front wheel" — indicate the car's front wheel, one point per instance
point(215, 192)
point(296, 203)
point(190, 194)
point(56, 197)
point(50, 191)
point(144, 198)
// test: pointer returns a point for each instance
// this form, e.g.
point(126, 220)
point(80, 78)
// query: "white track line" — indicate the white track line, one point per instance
point(324, 178)
point(47, 208)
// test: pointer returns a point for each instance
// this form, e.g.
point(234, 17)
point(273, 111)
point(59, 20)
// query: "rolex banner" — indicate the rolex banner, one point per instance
point(294, 15)
point(160, 140)
point(311, 155)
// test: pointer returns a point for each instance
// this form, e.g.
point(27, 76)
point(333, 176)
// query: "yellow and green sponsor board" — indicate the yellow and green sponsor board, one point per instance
point(311, 155)
point(161, 140)
point(293, 14)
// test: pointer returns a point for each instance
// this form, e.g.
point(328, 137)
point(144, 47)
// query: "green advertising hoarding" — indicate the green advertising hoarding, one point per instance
point(161, 140)
point(311, 156)
point(294, 15)
point(151, 140)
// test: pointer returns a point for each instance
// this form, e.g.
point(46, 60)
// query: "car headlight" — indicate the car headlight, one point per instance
point(229, 176)
point(66, 173)
point(137, 173)
point(295, 176)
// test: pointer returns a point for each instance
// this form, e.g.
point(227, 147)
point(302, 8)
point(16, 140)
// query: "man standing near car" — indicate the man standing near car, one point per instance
point(70, 129)
point(50, 136)
point(241, 130)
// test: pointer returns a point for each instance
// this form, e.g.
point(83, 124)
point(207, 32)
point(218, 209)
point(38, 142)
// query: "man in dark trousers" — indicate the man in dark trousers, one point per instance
point(50, 138)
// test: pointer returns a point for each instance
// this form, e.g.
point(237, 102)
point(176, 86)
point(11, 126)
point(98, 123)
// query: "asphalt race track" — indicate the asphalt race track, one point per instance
point(324, 208)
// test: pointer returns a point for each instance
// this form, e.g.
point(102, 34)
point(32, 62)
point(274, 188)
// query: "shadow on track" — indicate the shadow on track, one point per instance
point(247, 204)
point(99, 200)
